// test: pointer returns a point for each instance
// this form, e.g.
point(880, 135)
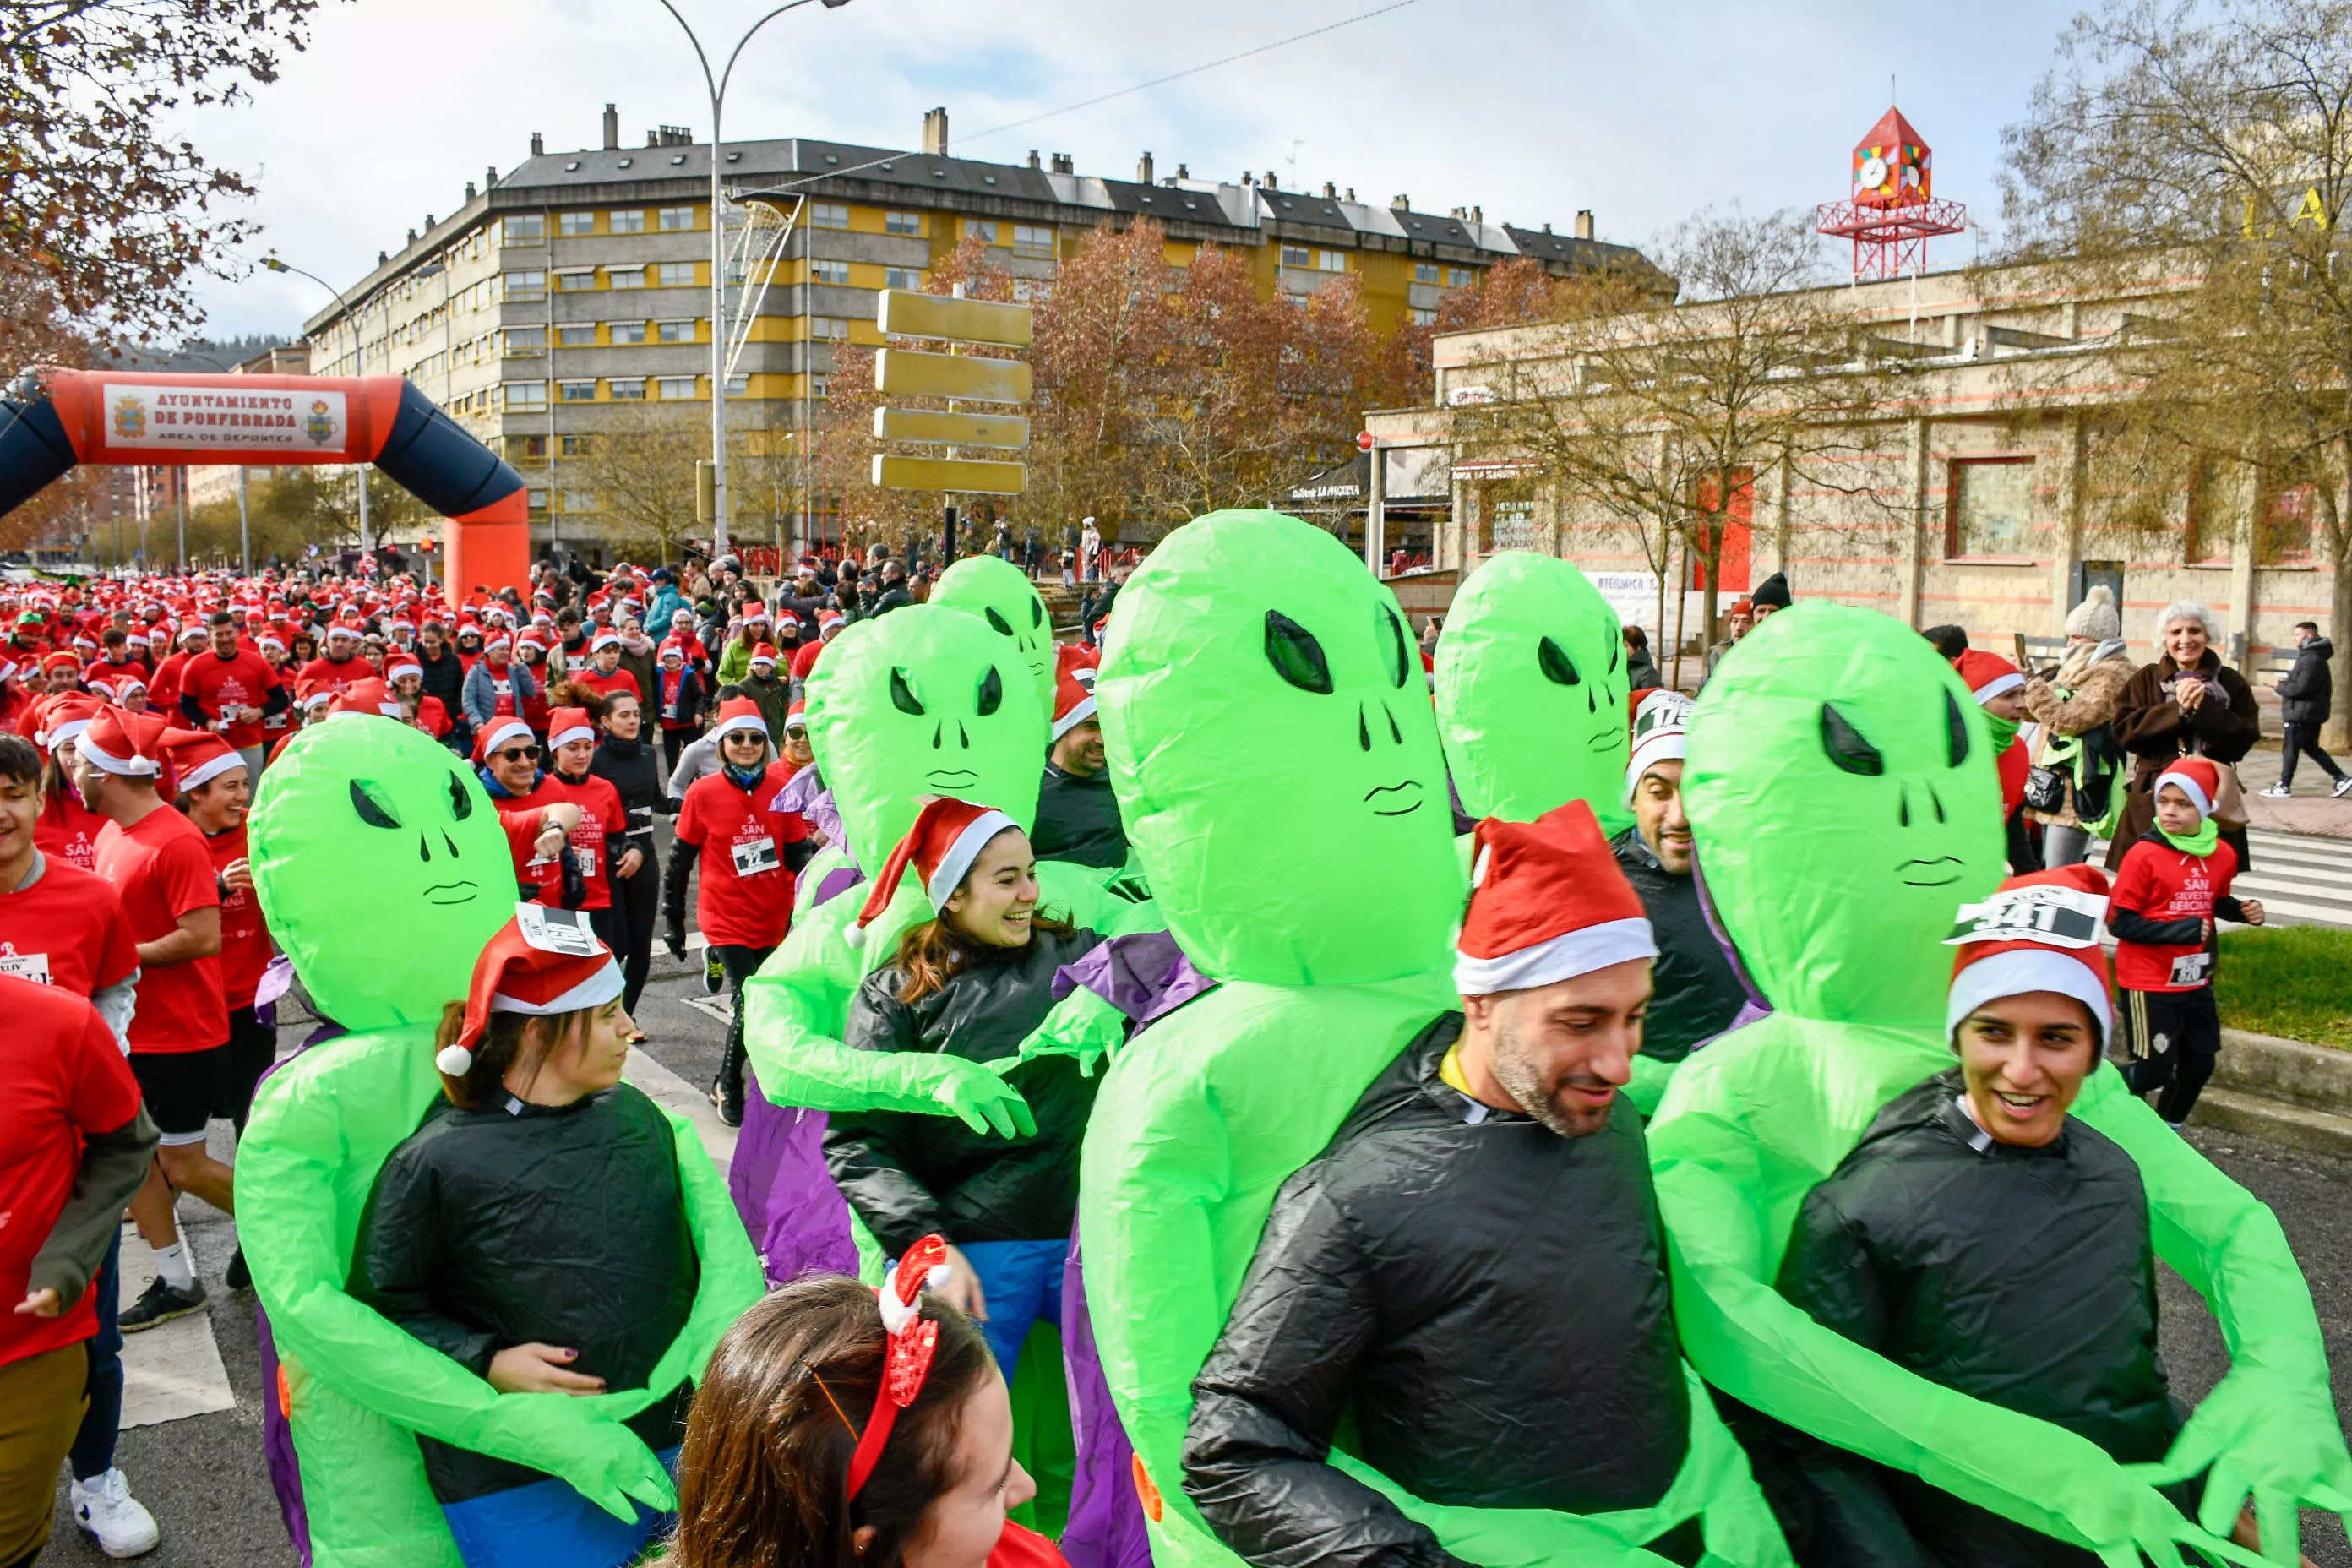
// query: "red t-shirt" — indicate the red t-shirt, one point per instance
point(67, 929)
point(540, 880)
point(602, 822)
point(67, 830)
point(337, 674)
point(746, 894)
point(163, 691)
point(605, 685)
point(2164, 884)
point(107, 670)
point(245, 936)
point(162, 870)
point(219, 685)
point(61, 1078)
point(432, 717)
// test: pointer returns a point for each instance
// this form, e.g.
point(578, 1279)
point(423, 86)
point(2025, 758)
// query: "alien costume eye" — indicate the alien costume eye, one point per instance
point(1295, 654)
point(902, 696)
point(1036, 612)
point(1955, 731)
point(991, 690)
point(999, 621)
point(372, 808)
point(1846, 747)
point(1390, 636)
point(1558, 667)
point(461, 803)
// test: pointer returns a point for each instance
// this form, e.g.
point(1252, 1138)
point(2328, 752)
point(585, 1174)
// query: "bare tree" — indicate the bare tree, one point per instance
point(2208, 148)
point(641, 471)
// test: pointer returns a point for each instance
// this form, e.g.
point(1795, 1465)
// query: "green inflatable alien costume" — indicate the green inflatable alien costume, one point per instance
point(1532, 692)
point(1842, 793)
point(1280, 771)
point(1001, 593)
point(368, 805)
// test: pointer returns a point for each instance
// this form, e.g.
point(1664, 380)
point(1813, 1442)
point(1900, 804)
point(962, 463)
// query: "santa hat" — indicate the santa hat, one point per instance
point(946, 837)
point(765, 654)
point(497, 639)
point(497, 733)
point(339, 630)
point(2199, 779)
point(65, 716)
point(830, 621)
point(362, 698)
point(796, 718)
point(671, 645)
point(1988, 674)
point(129, 745)
point(542, 963)
point(403, 664)
point(2037, 933)
point(565, 724)
point(1074, 703)
point(1547, 903)
point(604, 640)
point(1659, 735)
point(61, 659)
point(198, 757)
point(309, 694)
point(1074, 658)
point(738, 713)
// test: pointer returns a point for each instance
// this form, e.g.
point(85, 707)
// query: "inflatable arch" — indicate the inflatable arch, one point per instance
point(147, 418)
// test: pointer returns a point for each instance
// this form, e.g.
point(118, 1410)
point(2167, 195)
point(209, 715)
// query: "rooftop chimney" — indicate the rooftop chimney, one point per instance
point(1478, 215)
point(1033, 159)
point(935, 133)
point(412, 237)
point(428, 223)
point(1351, 193)
point(538, 145)
point(1330, 191)
point(381, 257)
point(611, 129)
point(653, 138)
point(1399, 204)
point(1183, 172)
point(490, 177)
point(1143, 170)
point(1584, 223)
point(1065, 164)
point(470, 189)
point(1269, 181)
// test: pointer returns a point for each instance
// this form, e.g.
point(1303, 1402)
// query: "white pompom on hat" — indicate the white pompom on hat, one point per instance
point(543, 961)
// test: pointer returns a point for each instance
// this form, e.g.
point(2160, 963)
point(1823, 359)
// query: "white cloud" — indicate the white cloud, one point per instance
point(1530, 109)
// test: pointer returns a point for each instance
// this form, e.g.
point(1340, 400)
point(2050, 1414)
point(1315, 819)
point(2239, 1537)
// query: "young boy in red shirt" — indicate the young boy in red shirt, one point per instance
point(2172, 887)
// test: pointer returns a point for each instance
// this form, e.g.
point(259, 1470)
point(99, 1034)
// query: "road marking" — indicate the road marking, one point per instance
point(173, 1370)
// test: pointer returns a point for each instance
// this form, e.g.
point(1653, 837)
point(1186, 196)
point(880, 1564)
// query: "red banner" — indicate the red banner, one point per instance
point(149, 417)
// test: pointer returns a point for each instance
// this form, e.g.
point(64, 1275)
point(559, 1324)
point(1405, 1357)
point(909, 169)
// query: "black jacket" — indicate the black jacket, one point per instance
point(1078, 820)
point(1488, 1296)
point(2023, 1277)
point(895, 597)
point(566, 1226)
point(2308, 692)
point(634, 769)
point(908, 1175)
point(1697, 993)
point(444, 678)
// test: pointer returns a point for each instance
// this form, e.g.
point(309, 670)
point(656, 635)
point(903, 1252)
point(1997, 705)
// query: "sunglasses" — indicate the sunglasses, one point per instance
point(524, 753)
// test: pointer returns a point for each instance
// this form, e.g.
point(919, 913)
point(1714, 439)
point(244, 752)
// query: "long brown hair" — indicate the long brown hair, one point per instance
point(510, 1038)
point(934, 953)
point(764, 1477)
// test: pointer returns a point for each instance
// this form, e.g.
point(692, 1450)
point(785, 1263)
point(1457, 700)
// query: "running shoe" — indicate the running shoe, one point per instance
point(162, 1302)
point(105, 1509)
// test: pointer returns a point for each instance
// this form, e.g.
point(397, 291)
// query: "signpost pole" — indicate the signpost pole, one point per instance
point(946, 536)
point(244, 521)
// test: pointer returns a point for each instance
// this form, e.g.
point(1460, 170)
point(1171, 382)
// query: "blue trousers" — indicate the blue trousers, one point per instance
point(93, 1446)
point(1022, 1283)
point(549, 1525)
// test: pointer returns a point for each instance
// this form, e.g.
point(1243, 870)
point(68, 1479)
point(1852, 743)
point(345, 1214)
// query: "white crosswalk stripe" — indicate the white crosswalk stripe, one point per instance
point(2300, 881)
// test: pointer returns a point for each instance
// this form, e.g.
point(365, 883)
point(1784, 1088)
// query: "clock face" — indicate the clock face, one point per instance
point(1873, 173)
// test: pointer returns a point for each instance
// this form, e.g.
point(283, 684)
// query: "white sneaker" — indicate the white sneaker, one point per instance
point(2343, 787)
point(105, 1508)
point(2277, 792)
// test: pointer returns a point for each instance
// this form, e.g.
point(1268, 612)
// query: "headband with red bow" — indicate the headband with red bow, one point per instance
point(912, 1341)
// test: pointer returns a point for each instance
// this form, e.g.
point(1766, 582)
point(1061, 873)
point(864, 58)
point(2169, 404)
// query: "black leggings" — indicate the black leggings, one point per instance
point(740, 963)
point(626, 924)
point(252, 1048)
point(2303, 740)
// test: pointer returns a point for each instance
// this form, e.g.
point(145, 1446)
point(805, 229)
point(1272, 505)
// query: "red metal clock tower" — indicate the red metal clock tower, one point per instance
point(1894, 210)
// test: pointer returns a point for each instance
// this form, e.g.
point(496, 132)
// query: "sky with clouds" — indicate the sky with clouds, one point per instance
point(1643, 110)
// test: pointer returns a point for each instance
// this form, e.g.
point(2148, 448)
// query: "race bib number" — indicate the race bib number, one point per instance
point(32, 966)
point(566, 931)
point(753, 855)
point(2190, 968)
point(2055, 917)
point(587, 862)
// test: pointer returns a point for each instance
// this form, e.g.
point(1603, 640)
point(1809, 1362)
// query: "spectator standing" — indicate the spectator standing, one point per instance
point(2307, 693)
point(2075, 707)
point(2185, 704)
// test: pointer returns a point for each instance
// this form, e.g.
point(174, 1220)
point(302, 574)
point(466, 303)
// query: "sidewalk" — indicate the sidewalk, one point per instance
point(2310, 813)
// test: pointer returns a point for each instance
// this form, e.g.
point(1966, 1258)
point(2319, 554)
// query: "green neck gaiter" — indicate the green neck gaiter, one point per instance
point(2004, 731)
point(2199, 842)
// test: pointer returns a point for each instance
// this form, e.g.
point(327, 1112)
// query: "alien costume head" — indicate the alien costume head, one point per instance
point(923, 701)
point(1841, 787)
point(1531, 692)
point(999, 593)
point(1277, 764)
point(372, 823)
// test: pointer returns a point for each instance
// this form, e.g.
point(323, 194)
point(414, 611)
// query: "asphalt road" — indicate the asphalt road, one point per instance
point(205, 1480)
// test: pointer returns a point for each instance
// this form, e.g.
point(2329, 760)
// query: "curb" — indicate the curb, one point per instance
point(2285, 1091)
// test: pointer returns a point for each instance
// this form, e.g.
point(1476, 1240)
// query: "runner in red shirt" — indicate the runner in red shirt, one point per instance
point(750, 851)
point(507, 757)
point(229, 691)
point(340, 665)
point(59, 924)
point(67, 830)
point(604, 676)
point(604, 821)
point(216, 790)
point(829, 624)
point(163, 691)
point(157, 861)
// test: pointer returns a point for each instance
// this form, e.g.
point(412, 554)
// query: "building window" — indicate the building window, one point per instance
point(834, 272)
point(1422, 318)
point(626, 277)
point(902, 223)
point(579, 501)
point(674, 218)
point(828, 214)
point(523, 396)
point(526, 341)
point(524, 228)
point(834, 328)
point(1033, 238)
point(1991, 508)
point(625, 332)
point(629, 221)
point(982, 229)
point(537, 496)
point(530, 449)
point(629, 389)
point(577, 391)
point(572, 224)
point(674, 332)
point(819, 385)
point(572, 447)
point(679, 275)
point(1428, 272)
point(526, 284)
point(668, 387)
point(576, 335)
point(738, 385)
point(2283, 538)
point(1460, 277)
point(573, 282)
point(902, 277)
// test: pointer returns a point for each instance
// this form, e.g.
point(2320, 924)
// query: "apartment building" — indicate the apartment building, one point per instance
point(567, 295)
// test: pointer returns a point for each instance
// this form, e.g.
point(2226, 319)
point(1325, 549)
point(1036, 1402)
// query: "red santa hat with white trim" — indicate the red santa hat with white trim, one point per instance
point(566, 724)
point(946, 837)
point(765, 653)
point(1988, 674)
point(2196, 778)
point(2039, 931)
point(1548, 903)
point(543, 961)
point(739, 713)
point(1074, 703)
point(199, 756)
point(65, 716)
point(401, 664)
point(128, 746)
point(497, 733)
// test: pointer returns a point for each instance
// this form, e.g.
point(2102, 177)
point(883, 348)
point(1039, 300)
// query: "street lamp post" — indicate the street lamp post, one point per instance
point(359, 367)
point(717, 87)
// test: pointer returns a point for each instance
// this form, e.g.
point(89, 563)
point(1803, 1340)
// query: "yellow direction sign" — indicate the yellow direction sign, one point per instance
point(903, 373)
point(904, 314)
point(949, 429)
point(896, 473)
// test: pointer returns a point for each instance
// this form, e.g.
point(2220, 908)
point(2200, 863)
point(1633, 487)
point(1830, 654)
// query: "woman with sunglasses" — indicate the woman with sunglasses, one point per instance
point(547, 869)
